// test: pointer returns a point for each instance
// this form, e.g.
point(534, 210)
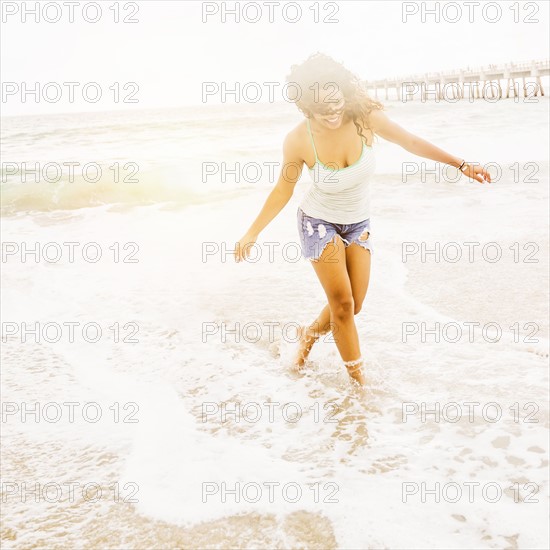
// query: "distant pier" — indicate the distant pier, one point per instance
point(492, 82)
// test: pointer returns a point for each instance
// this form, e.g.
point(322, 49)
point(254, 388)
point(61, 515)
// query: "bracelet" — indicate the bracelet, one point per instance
point(462, 165)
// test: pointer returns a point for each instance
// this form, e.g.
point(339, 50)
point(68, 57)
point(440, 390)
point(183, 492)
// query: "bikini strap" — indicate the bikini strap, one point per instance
point(312, 142)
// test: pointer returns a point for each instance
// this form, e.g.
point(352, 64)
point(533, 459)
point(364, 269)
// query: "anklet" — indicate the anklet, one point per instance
point(357, 363)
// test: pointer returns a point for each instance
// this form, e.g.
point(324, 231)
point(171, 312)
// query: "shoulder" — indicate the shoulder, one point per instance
point(378, 119)
point(295, 140)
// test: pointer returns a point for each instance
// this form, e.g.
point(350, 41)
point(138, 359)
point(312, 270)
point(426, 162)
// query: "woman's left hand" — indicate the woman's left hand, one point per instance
point(476, 172)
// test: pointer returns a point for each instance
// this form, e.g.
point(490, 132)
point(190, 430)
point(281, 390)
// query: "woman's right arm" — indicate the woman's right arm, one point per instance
point(278, 198)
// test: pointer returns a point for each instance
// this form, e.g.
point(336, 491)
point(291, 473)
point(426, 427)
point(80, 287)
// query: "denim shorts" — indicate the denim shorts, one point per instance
point(315, 234)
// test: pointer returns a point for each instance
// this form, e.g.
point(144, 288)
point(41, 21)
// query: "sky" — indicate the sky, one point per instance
point(174, 47)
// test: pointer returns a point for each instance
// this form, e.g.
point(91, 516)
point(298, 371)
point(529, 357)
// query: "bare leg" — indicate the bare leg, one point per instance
point(310, 334)
point(332, 271)
point(358, 263)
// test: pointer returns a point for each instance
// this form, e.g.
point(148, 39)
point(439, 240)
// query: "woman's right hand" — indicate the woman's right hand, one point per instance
point(243, 246)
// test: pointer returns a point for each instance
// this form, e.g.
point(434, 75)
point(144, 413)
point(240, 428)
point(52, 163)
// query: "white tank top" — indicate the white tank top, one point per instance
point(342, 195)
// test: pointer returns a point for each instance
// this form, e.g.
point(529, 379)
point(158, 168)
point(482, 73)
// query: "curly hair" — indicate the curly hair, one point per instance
point(322, 71)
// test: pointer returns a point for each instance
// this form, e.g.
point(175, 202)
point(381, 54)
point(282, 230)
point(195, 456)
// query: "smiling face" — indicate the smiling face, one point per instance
point(329, 110)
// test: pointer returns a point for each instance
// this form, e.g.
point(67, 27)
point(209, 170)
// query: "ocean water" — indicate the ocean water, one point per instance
point(207, 437)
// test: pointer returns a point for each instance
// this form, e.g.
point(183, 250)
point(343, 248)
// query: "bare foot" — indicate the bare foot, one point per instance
point(304, 346)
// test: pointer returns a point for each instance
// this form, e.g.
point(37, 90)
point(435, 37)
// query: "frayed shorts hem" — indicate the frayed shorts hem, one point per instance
point(316, 234)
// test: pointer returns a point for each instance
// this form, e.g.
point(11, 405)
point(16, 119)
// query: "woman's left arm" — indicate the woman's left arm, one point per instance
point(391, 131)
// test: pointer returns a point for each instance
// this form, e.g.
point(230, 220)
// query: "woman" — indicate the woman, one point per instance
point(335, 141)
